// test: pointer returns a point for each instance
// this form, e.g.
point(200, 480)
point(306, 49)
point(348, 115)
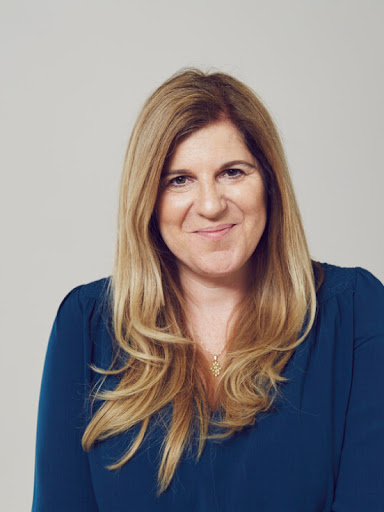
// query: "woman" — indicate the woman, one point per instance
point(219, 367)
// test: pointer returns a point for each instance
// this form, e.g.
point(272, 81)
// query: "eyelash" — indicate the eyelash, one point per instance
point(172, 182)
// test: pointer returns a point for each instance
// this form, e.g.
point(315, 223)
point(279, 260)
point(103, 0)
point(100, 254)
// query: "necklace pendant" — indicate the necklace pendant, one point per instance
point(215, 368)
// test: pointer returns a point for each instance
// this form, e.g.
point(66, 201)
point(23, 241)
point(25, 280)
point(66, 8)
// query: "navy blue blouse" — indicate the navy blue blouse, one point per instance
point(321, 449)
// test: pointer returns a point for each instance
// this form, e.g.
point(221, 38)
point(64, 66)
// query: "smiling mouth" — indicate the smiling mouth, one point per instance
point(215, 233)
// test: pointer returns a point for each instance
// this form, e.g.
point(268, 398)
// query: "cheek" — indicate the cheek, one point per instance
point(172, 210)
point(169, 215)
point(262, 209)
point(256, 208)
point(162, 212)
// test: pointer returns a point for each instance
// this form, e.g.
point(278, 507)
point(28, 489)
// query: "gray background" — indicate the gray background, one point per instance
point(74, 75)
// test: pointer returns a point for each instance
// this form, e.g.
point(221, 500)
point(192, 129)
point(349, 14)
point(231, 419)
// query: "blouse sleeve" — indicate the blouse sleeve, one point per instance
point(62, 474)
point(360, 483)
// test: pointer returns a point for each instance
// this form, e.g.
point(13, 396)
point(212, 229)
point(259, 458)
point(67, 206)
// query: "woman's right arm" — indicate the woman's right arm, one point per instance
point(62, 474)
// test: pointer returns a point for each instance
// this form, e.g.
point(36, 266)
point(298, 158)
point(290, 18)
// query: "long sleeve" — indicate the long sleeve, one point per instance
point(62, 474)
point(360, 484)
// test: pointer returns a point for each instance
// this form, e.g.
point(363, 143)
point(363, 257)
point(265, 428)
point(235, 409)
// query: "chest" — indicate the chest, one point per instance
point(287, 461)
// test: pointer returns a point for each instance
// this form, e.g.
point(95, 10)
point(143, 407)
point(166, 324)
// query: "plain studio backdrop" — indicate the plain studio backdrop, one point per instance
point(74, 76)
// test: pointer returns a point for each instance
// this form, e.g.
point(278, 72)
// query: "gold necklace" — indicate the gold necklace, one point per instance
point(216, 366)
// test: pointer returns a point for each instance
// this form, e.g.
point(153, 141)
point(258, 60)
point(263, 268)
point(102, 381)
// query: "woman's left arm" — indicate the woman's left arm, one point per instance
point(360, 483)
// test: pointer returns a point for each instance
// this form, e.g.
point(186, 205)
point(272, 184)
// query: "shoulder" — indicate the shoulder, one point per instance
point(81, 319)
point(340, 280)
point(81, 299)
point(355, 296)
point(93, 290)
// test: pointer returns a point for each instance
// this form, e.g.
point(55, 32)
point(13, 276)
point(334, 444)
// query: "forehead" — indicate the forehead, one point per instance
point(213, 144)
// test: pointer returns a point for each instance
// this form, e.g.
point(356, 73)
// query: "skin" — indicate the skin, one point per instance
point(197, 192)
point(207, 196)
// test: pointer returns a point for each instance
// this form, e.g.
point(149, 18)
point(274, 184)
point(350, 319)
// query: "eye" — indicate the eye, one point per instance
point(233, 173)
point(179, 181)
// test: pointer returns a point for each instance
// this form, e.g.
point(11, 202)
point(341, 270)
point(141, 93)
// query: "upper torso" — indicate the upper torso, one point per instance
point(298, 457)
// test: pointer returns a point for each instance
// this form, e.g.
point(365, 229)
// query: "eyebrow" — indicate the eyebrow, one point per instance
point(221, 168)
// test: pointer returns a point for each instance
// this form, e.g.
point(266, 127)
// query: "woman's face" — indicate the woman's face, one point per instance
point(211, 208)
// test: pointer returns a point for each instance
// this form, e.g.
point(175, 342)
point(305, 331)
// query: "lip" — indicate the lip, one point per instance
point(215, 232)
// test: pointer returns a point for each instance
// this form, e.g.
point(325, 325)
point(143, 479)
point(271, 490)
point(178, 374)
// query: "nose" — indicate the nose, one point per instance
point(210, 200)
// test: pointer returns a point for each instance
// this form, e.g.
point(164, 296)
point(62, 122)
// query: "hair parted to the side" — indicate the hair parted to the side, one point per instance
point(158, 359)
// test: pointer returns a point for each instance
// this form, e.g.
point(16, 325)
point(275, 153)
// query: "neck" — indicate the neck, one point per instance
point(210, 303)
point(212, 294)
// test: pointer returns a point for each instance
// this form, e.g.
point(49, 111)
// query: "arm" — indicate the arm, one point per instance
point(360, 484)
point(62, 475)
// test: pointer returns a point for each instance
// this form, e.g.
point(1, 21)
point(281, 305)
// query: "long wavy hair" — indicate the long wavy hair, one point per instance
point(156, 359)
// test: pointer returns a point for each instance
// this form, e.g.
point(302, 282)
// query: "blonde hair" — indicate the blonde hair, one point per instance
point(156, 358)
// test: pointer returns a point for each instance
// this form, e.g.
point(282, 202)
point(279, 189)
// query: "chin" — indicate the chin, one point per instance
point(220, 271)
point(216, 267)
